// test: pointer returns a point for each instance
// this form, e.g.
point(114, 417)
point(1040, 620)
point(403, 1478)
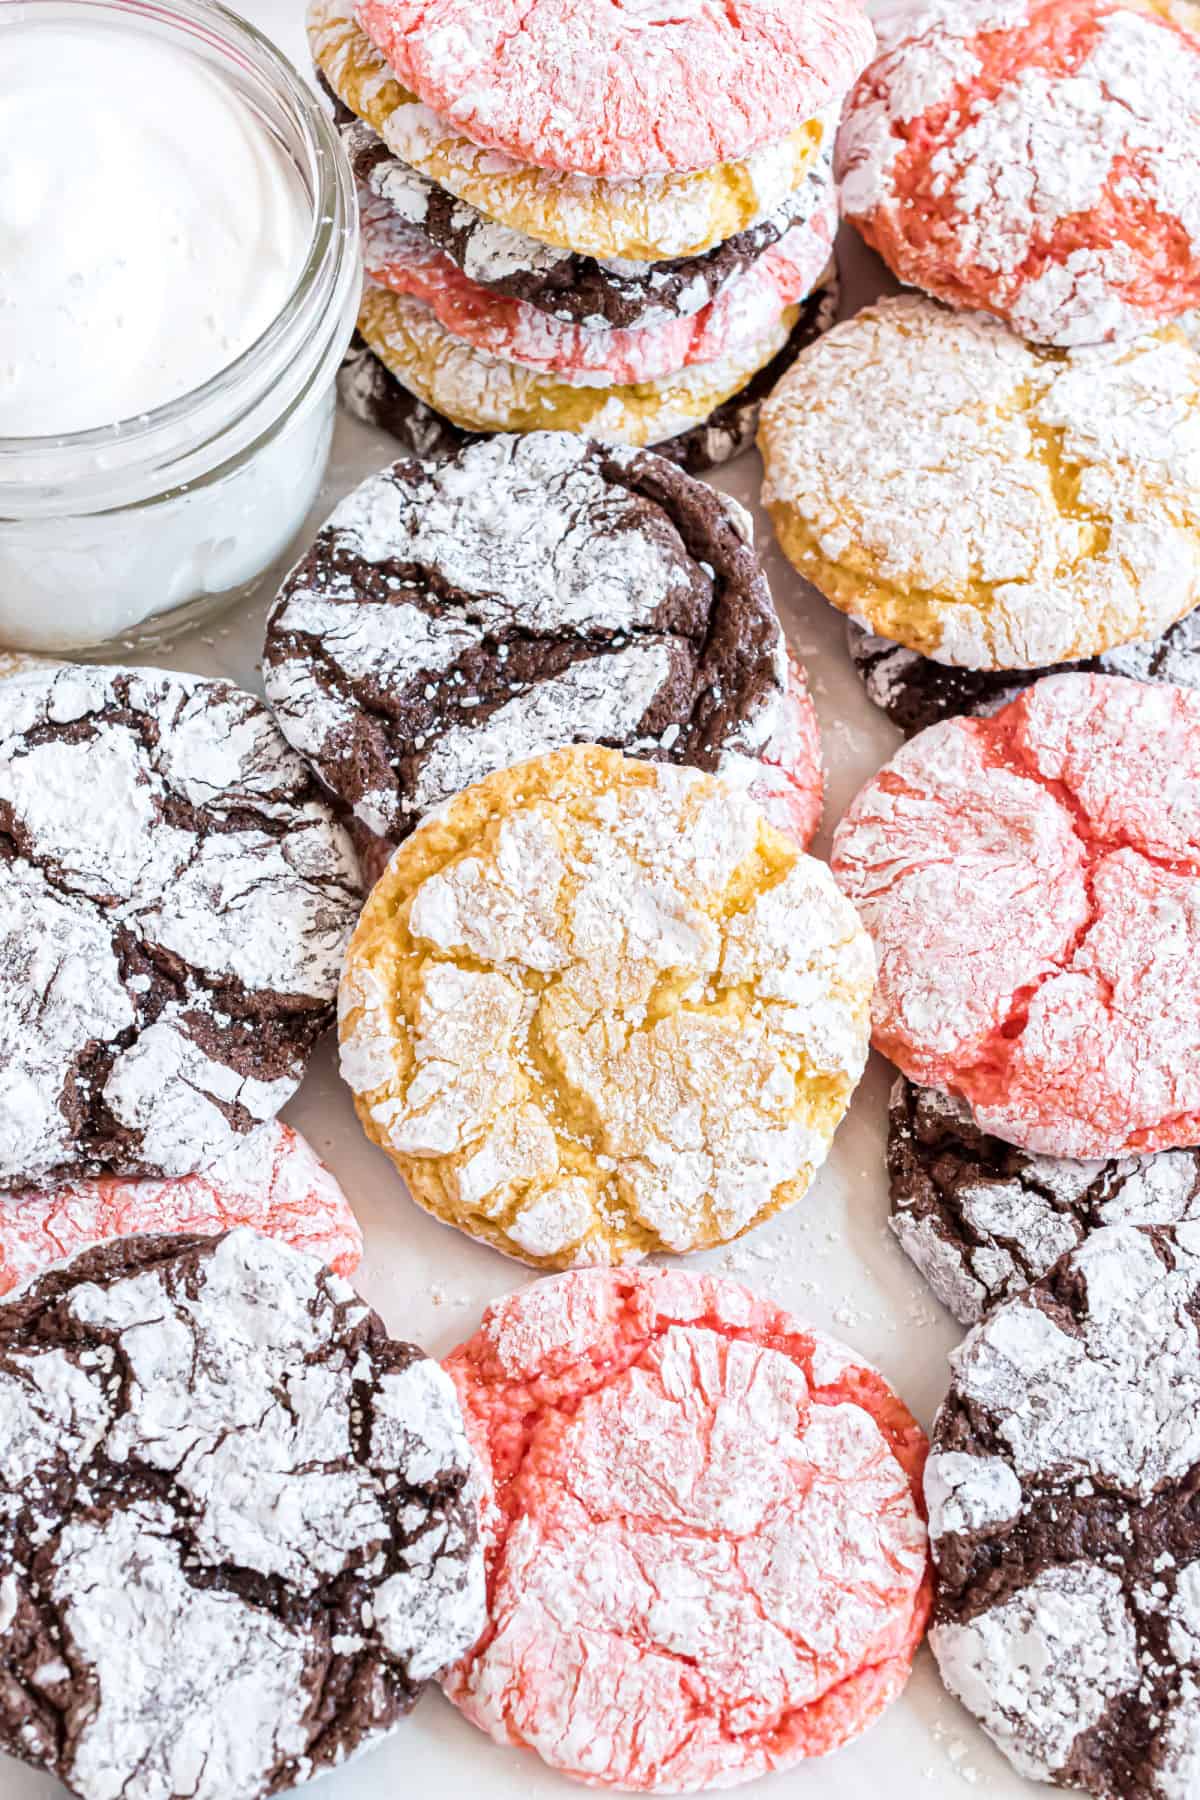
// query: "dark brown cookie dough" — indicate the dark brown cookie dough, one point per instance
point(454, 618)
point(175, 897)
point(1064, 1514)
point(982, 1220)
point(236, 1529)
point(372, 393)
point(914, 691)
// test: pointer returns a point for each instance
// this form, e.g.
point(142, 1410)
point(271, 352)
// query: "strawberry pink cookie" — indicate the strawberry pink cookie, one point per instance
point(1038, 159)
point(706, 1550)
point(403, 258)
point(790, 785)
point(271, 1181)
point(1032, 885)
point(622, 87)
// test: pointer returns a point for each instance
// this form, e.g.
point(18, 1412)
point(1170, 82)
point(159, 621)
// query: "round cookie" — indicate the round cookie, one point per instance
point(483, 393)
point(914, 691)
point(1063, 1517)
point(369, 390)
point(703, 1530)
point(454, 619)
point(598, 1007)
point(594, 87)
point(656, 218)
point(578, 290)
point(400, 257)
point(271, 1181)
point(1031, 882)
point(983, 1221)
point(983, 502)
point(1038, 159)
point(236, 1529)
point(175, 898)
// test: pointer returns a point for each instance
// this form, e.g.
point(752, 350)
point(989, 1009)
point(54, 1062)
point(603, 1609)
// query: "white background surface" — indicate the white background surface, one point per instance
point(831, 1260)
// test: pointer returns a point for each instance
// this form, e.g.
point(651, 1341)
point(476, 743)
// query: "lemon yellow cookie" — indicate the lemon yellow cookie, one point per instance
point(479, 392)
point(986, 502)
point(598, 1007)
point(650, 218)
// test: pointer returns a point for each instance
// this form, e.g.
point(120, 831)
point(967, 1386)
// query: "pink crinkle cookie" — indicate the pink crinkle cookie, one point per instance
point(402, 258)
point(790, 786)
point(705, 1541)
point(1032, 885)
point(271, 1180)
point(622, 87)
point(1038, 159)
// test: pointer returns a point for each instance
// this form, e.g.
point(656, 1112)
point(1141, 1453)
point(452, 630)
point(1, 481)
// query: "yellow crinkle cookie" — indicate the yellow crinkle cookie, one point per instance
point(482, 393)
point(981, 500)
point(652, 219)
point(598, 1007)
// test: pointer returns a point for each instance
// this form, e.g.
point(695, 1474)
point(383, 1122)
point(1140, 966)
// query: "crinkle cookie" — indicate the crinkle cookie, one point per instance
point(368, 389)
point(703, 1529)
point(986, 503)
point(983, 1221)
point(596, 87)
point(1062, 1510)
point(454, 619)
point(576, 290)
point(271, 1181)
point(236, 1529)
point(914, 691)
point(1039, 159)
point(480, 392)
point(1031, 882)
point(598, 1007)
point(175, 899)
point(399, 256)
point(650, 219)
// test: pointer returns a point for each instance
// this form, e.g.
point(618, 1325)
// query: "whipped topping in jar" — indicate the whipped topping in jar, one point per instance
point(178, 278)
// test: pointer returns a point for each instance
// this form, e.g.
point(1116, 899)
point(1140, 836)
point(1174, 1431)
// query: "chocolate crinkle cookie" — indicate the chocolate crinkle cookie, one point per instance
point(533, 592)
point(237, 1532)
point(914, 691)
point(1065, 1519)
point(982, 1220)
point(175, 897)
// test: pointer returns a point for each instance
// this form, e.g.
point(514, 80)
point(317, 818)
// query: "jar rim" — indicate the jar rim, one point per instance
point(227, 31)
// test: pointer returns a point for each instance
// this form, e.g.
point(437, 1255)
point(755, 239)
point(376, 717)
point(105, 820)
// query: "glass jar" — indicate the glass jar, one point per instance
point(132, 531)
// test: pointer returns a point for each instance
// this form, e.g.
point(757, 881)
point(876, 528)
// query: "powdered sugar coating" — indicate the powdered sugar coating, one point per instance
point(644, 220)
point(983, 502)
point(1068, 1611)
point(271, 1181)
point(1039, 159)
point(530, 593)
point(705, 1552)
point(234, 1521)
point(1032, 885)
point(176, 900)
point(590, 977)
point(599, 87)
point(483, 393)
point(400, 257)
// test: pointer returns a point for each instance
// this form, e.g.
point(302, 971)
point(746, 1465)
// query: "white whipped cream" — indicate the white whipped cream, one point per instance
point(150, 226)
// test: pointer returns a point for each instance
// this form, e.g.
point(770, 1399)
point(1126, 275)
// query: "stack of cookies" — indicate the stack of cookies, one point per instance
point(615, 221)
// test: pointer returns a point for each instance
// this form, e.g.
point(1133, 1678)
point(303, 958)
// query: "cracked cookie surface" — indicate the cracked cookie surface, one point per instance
point(237, 1534)
point(703, 1531)
point(530, 593)
point(983, 502)
point(598, 1007)
point(983, 1220)
point(1031, 882)
point(176, 901)
point(1039, 159)
point(272, 1181)
point(1064, 1521)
